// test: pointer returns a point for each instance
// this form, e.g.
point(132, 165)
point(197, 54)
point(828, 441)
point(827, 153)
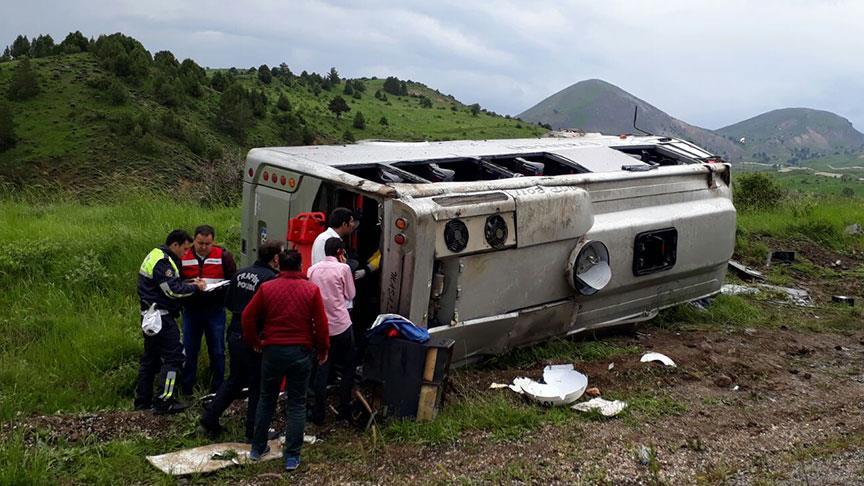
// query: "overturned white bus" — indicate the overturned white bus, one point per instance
point(501, 243)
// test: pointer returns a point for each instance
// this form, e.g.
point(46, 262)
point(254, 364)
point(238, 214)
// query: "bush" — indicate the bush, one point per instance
point(338, 106)
point(235, 114)
point(171, 126)
point(425, 102)
point(264, 74)
point(283, 103)
point(8, 139)
point(348, 136)
point(383, 121)
point(116, 92)
point(196, 142)
point(758, 191)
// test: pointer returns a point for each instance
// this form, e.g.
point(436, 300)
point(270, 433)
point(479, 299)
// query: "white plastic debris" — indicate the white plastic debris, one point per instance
point(611, 365)
point(562, 385)
point(495, 386)
point(733, 289)
point(666, 360)
point(798, 297)
point(607, 408)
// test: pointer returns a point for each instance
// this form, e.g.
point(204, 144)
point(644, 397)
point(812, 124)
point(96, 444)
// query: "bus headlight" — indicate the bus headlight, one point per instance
point(588, 269)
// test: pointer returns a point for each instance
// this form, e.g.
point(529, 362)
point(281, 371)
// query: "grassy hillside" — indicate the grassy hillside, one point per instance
point(796, 135)
point(89, 127)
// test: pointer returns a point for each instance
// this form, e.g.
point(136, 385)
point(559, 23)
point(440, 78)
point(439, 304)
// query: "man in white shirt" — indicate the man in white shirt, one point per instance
point(341, 224)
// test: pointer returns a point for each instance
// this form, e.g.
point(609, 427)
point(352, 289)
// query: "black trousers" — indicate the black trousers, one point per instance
point(163, 354)
point(341, 357)
point(245, 372)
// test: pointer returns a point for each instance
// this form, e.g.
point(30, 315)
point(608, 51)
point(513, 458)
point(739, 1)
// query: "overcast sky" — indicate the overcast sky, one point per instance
point(710, 63)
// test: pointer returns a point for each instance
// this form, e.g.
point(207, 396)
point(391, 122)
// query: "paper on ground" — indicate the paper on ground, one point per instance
point(562, 385)
point(607, 408)
point(666, 360)
point(199, 460)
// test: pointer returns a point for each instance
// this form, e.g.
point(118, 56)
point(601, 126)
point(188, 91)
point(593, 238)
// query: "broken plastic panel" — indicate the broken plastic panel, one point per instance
point(662, 358)
point(562, 386)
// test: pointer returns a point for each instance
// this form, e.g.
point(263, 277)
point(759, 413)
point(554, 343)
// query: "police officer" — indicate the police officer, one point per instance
point(245, 362)
point(159, 283)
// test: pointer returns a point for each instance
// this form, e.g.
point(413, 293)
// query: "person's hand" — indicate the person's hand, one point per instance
point(358, 274)
point(322, 359)
point(200, 284)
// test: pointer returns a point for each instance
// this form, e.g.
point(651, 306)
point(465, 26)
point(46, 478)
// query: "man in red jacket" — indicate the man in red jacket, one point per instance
point(286, 319)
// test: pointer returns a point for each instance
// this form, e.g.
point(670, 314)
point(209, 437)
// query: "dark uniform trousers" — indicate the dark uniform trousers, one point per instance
point(163, 354)
point(245, 372)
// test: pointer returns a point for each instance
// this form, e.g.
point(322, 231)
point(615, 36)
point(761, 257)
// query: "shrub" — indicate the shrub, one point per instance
point(283, 103)
point(757, 191)
point(8, 138)
point(116, 92)
point(348, 136)
point(338, 106)
point(383, 121)
point(264, 74)
point(196, 142)
point(359, 121)
point(425, 102)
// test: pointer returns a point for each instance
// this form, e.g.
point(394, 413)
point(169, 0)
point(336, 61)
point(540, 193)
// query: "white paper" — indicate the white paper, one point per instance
point(215, 285)
point(607, 408)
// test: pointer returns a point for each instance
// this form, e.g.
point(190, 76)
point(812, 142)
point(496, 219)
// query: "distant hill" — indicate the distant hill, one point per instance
point(597, 106)
point(795, 135)
point(108, 111)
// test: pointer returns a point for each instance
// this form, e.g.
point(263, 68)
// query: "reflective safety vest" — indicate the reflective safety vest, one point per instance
point(210, 270)
point(150, 261)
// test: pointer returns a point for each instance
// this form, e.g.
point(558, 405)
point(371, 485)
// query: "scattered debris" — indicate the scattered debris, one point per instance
point(644, 455)
point(607, 408)
point(854, 230)
point(744, 272)
point(843, 299)
point(666, 360)
point(798, 297)
point(593, 392)
point(611, 365)
point(701, 304)
point(562, 385)
point(723, 381)
point(208, 458)
point(495, 386)
point(736, 388)
point(780, 256)
point(733, 289)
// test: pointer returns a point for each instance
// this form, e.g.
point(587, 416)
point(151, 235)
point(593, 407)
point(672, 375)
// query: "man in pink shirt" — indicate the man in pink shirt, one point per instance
point(336, 282)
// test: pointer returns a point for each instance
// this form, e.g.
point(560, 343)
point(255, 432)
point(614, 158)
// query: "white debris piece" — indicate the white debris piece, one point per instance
point(562, 385)
point(611, 365)
point(798, 297)
point(495, 386)
point(199, 460)
point(666, 360)
point(607, 408)
point(732, 289)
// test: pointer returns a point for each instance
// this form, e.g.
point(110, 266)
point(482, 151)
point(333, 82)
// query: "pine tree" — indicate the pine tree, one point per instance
point(283, 103)
point(20, 47)
point(333, 77)
point(349, 90)
point(264, 74)
point(235, 113)
point(338, 106)
point(74, 42)
point(359, 121)
point(42, 46)
point(24, 83)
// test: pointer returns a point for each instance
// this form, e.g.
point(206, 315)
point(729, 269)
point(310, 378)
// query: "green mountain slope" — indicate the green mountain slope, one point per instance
point(795, 135)
point(115, 114)
point(597, 106)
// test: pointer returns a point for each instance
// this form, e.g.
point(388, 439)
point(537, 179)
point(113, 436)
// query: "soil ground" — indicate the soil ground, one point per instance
point(797, 415)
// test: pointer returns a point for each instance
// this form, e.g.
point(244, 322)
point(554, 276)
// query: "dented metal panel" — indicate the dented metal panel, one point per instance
point(545, 214)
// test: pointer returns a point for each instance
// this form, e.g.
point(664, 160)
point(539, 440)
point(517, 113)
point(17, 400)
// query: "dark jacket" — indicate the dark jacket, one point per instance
point(243, 286)
point(159, 281)
point(287, 310)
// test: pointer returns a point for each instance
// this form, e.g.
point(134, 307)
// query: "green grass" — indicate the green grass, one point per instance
point(564, 349)
point(68, 131)
point(68, 272)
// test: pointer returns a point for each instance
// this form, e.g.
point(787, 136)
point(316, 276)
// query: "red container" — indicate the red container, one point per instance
point(302, 231)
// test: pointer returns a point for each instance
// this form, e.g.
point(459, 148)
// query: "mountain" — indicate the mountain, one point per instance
point(107, 112)
point(795, 134)
point(597, 106)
